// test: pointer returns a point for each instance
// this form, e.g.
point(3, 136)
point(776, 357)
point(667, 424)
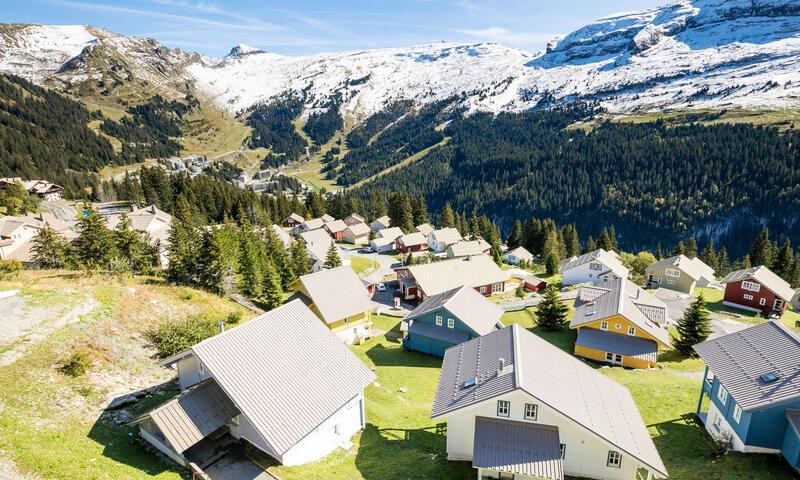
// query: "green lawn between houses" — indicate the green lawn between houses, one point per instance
point(401, 441)
point(362, 264)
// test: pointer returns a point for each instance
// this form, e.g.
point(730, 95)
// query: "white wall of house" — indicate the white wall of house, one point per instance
point(436, 245)
point(330, 434)
point(245, 430)
point(583, 273)
point(586, 454)
point(190, 372)
point(350, 335)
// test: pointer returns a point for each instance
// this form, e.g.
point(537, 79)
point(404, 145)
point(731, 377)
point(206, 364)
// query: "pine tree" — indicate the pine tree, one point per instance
point(410, 260)
point(446, 218)
point(250, 261)
point(680, 249)
point(572, 244)
point(184, 244)
point(276, 251)
point(551, 263)
point(604, 241)
point(49, 249)
point(332, 259)
point(723, 262)
point(709, 256)
point(694, 327)
point(659, 251)
point(590, 246)
point(612, 236)
point(377, 206)
point(551, 314)
point(94, 245)
point(795, 278)
point(301, 264)
point(515, 237)
point(131, 246)
point(420, 211)
point(691, 248)
point(209, 263)
point(761, 250)
point(272, 291)
point(783, 264)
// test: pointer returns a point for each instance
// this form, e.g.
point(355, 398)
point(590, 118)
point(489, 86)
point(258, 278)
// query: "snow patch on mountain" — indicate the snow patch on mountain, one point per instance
point(36, 51)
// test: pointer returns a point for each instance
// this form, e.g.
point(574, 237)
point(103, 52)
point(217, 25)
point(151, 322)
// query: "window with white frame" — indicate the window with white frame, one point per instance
point(762, 301)
point(531, 411)
point(672, 272)
point(747, 296)
point(497, 287)
point(751, 286)
point(451, 323)
point(614, 459)
point(563, 448)
point(439, 320)
point(631, 330)
point(722, 394)
point(483, 289)
point(503, 408)
point(670, 281)
point(595, 266)
point(603, 325)
point(737, 413)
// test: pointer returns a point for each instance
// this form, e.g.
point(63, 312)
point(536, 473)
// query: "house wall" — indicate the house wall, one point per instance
point(189, 372)
point(585, 456)
point(600, 356)
point(150, 432)
point(582, 274)
point(335, 430)
point(349, 329)
point(434, 346)
point(436, 245)
point(623, 323)
point(734, 293)
point(246, 431)
point(357, 240)
point(791, 448)
point(684, 283)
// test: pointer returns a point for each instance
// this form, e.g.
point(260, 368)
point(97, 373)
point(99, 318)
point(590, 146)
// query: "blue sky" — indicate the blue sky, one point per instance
point(310, 26)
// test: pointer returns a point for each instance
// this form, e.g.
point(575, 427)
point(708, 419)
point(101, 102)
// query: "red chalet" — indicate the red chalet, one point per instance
point(411, 242)
point(292, 221)
point(757, 289)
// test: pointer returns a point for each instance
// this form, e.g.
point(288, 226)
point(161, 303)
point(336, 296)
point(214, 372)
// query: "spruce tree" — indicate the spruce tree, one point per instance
point(572, 244)
point(551, 314)
point(332, 259)
point(761, 250)
point(604, 241)
point(590, 245)
point(723, 262)
point(691, 248)
point(250, 262)
point(783, 264)
point(420, 211)
point(694, 327)
point(272, 291)
point(131, 246)
point(94, 245)
point(210, 270)
point(49, 249)
point(709, 256)
point(406, 215)
point(377, 205)
point(680, 249)
point(515, 237)
point(446, 218)
point(301, 264)
point(184, 244)
point(551, 263)
point(659, 254)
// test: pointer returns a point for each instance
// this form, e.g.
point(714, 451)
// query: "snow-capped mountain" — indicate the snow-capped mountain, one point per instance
point(689, 54)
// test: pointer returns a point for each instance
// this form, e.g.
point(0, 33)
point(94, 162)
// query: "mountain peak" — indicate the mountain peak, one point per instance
point(241, 50)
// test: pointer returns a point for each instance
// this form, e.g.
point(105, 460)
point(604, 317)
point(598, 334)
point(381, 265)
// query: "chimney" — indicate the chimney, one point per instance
point(221, 326)
point(502, 366)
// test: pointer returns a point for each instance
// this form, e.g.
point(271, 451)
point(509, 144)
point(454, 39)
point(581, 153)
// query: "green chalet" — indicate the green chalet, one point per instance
point(448, 319)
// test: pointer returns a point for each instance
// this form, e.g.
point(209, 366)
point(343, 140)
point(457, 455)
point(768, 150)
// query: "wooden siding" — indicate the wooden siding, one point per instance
point(600, 356)
point(623, 330)
point(734, 293)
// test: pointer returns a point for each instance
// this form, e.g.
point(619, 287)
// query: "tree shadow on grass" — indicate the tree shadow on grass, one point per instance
point(382, 356)
point(398, 453)
point(120, 439)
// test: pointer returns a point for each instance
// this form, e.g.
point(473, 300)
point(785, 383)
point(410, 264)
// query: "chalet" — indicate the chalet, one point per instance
point(411, 242)
point(152, 222)
point(752, 390)
point(589, 267)
point(450, 318)
point(757, 289)
point(308, 226)
point(531, 283)
point(255, 384)
point(423, 281)
point(380, 223)
point(439, 240)
point(384, 240)
point(327, 218)
point(619, 323)
point(17, 234)
point(468, 248)
point(41, 188)
point(339, 298)
point(357, 234)
point(511, 403)
point(292, 221)
point(516, 255)
point(336, 229)
point(353, 219)
point(425, 229)
point(679, 273)
point(318, 242)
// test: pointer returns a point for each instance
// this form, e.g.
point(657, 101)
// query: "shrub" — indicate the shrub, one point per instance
point(520, 291)
point(177, 336)
point(77, 364)
point(9, 268)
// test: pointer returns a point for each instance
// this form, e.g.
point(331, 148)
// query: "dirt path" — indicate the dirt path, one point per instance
point(9, 470)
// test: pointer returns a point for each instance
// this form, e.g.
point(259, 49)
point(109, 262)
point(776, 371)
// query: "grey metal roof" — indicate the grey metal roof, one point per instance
point(793, 416)
point(390, 233)
point(521, 448)
point(608, 258)
point(764, 276)
point(285, 388)
point(693, 267)
point(413, 239)
point(336, 226)
point(554, 377)
point(444, 334)
point(338, 293)
point(193, 415)
point(437, 277)
point(472, 308)
point(359, 229)
point(446, 235)
point(739, 359)
point(622, 344)
point(619, 296)
point(521, 253)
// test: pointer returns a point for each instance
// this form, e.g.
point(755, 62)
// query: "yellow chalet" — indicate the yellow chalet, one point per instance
point(340, 299)
point(619, 323)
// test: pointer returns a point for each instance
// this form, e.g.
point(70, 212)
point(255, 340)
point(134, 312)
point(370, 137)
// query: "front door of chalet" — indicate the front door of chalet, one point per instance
point(778, 306)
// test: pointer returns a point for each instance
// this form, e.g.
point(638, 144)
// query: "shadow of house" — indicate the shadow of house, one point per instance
point(397, 357)
point(121, 441)
point(407, 453)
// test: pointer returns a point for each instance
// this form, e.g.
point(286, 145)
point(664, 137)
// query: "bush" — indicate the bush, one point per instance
point(175, 337)
point(9, 268)
point(520, 291)
point(77, 364)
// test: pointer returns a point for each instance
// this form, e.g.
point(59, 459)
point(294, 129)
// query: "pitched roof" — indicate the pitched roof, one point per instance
point(609, 259)
point(359, 229)
point(519, 252)
point(194, 414)
point(467, 248)
point(764, 276)
point(438, 277)
point(338, 293)
point(391, 233)
point(383, 222)
point(446, 235)
point(327, 218)
point(425, 229)
point(284, 389)
point(355, 216)
point(336, 226)
point(472, 308)
point(282, 235)
point(296, 217)
point(313, 224)
point(523, 448)
point(618, 296)
point(413, 238)
point(693, 267)
point(739, 360)
point(448, 335)
point(554, 377)
point(627, 345)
